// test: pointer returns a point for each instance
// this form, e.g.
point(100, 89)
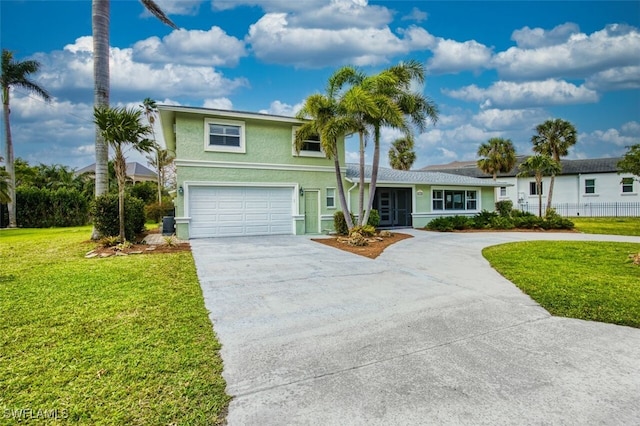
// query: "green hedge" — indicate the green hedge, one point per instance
point(104, 211)
point(44, 208)
point(492, 220)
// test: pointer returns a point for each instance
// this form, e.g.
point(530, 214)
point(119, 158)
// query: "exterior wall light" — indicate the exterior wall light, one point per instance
point(180, 190)
point(301, 191)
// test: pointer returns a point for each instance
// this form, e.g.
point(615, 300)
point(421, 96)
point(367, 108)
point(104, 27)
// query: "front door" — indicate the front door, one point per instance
point(311, 211)
point(394, 206)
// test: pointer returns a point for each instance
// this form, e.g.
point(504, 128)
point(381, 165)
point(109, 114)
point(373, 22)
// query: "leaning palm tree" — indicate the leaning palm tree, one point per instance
point(15, 74)
point(539, 166)
point(321, 111)
point(150, 109)
point(497, 156)
point(554, 139)
point(401, 154)
point(100, 16)
point(394, 85)
point(121, 127)
point(160, 160)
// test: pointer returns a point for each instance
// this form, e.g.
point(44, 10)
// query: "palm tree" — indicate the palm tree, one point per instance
point(539, 166)
point(401, 154)
point(149, 109)
point(15, 74)
point(554, 139)
point(160, 161)
point(498, 156)
point(121, 127)
point(100, 16)
point(326, 123)
point(415, 109)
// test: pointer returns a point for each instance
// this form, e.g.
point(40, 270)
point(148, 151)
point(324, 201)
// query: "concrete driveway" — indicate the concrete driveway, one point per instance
point(428, 333)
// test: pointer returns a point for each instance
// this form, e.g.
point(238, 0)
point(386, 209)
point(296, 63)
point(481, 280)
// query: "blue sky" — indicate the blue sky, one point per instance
point(495, 69)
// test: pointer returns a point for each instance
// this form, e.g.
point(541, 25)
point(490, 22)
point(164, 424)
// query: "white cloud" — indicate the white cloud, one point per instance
point(579, 56)
point(509, 119)
point(416, 15)
point(269, 5)
point(182, 7)
point(631, 128)
point(450, 56)
point(281, 108)
point(623, 78)
point(218, 103)
point(528, 38)
point(72, 70)
point(191, 47)
point(612, 140)
point(527, 94)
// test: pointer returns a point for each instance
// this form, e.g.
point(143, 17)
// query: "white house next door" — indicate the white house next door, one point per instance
point(230, 211)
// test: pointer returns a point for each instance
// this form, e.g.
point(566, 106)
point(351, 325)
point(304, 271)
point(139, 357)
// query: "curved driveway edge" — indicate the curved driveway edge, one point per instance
point(428, 333)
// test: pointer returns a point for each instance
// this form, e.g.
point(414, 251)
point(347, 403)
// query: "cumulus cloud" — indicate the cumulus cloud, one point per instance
point(191, 47)
point(579, 56)
point(528, 38)
point(182, 7)
point(416, 15)
point(269, 5)
point(274, 40)
point(218, 103)
point(281, 108)
point(623, 78)
point(509, 119)
point(611, 142)
point(450, 56)
point(71, 70)
point(528, 94)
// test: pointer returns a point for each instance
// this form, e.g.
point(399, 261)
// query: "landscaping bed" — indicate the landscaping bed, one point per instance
point(375, 245)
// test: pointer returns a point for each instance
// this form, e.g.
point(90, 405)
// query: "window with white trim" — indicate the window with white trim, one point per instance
point(224, 135)
point(533, 188)
point(331, 198)
point(627, 185)
point(503, 191)
point(589, 186)
point(311, 147)
point(454, 199)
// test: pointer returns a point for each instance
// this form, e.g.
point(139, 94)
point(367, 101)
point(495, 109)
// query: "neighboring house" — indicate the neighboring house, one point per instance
point(135, 171)
point(589, 187)
point(239, 174)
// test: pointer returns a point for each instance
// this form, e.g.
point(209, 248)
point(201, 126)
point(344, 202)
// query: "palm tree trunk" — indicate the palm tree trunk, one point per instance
point(160, 172)
point(100, 26)
point(343, 198)
point(553, 178)
point(374, 172)
point(361, 189)
point(539, 187)
point(120, 166)
point(11, 205)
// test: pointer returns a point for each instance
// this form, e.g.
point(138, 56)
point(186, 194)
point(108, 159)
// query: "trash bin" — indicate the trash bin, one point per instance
point(168, 225)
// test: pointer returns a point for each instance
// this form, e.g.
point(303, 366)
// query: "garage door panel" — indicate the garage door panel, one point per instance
point(237, 211)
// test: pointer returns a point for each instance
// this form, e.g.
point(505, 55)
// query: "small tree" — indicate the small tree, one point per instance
point(539, 166)
point(401, 154)
point(120, 127)
point(630, 163)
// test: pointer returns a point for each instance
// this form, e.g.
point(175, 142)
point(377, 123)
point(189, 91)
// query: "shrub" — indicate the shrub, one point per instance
point(146, 191)
point(527, 221)
point(374, 218)
point(450, 223)
point(156, 211)
point(504, 208)
point(44, 208)
point(339, 224)
point(104, 211)
point(501, 222)
point(553, 220)
point(365, 230)
point(483, 219)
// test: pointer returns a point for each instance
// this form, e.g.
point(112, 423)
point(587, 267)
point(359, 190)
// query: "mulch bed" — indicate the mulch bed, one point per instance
point(372, 250)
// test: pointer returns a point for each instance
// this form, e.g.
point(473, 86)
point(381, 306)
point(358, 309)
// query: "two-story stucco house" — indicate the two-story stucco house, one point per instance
point(239, 174)
point(586, 187)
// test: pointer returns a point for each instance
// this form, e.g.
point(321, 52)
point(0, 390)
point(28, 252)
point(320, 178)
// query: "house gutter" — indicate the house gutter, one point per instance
point(349, 193)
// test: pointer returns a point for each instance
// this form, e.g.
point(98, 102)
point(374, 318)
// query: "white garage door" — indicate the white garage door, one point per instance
point(236, 211)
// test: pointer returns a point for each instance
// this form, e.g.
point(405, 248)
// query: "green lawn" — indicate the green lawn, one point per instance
point(608, 225)
point(121, 340)
point(587, 280)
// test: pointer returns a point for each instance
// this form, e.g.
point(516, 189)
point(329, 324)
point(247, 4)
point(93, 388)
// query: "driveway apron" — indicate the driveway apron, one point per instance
point(428, 333)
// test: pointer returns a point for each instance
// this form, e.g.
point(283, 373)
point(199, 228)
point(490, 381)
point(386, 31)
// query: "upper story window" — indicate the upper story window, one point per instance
point(533, 188)
point(224, 135)
point(503, 191)
point(331, 198)
point(589, 186)
point(311, 147)
point(627, 185)
point(454, 200)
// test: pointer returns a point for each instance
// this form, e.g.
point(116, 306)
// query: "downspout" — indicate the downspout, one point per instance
point(349, 192)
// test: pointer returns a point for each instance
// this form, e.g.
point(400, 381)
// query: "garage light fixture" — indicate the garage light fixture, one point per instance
point(301, 191)
point(180, 190)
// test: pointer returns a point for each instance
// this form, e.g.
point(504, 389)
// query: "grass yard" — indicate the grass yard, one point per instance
point(586, 280)
point(121, 340)
point(608, 225)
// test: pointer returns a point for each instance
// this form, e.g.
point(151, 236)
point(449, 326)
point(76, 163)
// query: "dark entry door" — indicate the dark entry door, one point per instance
point(394, 206)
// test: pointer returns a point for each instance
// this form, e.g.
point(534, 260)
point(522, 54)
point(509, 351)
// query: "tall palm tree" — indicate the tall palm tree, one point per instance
point(401, 154)
point(15, 74)
point(160, 160)
point(150, 109)
point(497, 156)
point(394, 84)
point(321, 110)
point(539, 166)
point(4, 185)
point(121, 127)
point(554, 139)
point(100, 17)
